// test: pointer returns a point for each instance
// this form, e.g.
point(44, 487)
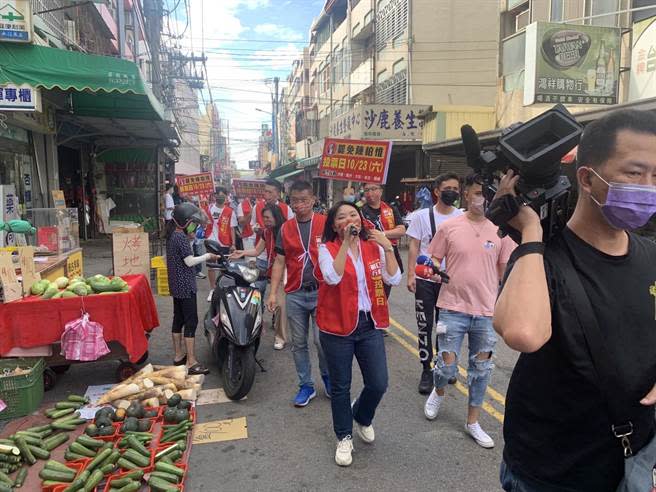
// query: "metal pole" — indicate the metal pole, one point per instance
point(121, 28)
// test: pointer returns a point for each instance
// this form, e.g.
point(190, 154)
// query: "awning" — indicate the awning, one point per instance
point(289, 175)
point(103, 86)
point(282, 170)
point(308, 162)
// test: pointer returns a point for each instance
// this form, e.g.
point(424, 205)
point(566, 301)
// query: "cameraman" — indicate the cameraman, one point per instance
point(557, 428)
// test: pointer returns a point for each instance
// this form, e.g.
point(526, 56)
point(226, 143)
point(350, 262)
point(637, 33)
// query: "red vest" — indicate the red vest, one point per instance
point(337, 306)
point(246, 207)
point(284, 208)
point(223, 223)
point(386, 219)
point(296, 255)
point(270, 247)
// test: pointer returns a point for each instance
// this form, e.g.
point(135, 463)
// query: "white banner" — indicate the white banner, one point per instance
point(643, 60)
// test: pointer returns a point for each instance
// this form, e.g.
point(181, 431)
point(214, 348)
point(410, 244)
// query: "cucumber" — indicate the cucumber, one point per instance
point(169, 469)
point(161, 485)
point(89, 442)
point(137, 446)
point(126, 465)
point(24, 433)
point(78, 398)
point(65, 426)
point(5, 479)
point(5, 488)
point(134, 475)
point(100, 457)
point(60, 413)
point(169, 477)
point(111, 459)
point(57, 476)
point(107, 469)
point(60, 405)
point(40, 428)
point(38, 452)
point(66, 418)
point(20, 477)
point(9, 458)
point(25, 451)
point(54, 441)
point(71, 456)
point(137, 458)
point(48, 412)
point(34, 441)
point(93, 481)
point(77, 448)
point(78, 483)
point(121, 482)
point(130, 487)
point(57, 466)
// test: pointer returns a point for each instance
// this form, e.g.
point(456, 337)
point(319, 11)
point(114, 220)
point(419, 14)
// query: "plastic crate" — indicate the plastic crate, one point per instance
point(78, 466)
point(157, 262)
point(23, 393)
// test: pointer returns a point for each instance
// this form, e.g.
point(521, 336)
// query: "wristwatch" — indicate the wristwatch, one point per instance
point(389, 249)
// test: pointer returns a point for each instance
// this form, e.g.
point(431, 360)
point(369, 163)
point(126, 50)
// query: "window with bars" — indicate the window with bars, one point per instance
point(391, 22)
point(393, 90)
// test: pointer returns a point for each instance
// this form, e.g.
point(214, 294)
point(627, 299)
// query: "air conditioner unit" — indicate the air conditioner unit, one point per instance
point(522, 20)
point(71, 31)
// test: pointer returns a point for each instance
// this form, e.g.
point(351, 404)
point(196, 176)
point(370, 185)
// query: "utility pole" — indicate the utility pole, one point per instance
point(121, 28)
point(153, 14)
point(274, 119)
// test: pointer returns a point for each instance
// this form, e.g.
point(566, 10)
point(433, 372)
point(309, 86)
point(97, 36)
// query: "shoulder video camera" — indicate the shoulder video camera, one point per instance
point(533, 150)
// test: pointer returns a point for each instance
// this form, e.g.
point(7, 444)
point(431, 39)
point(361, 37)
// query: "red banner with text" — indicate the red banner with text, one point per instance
point(195, 184)
point(248, 188)
point(355, 160)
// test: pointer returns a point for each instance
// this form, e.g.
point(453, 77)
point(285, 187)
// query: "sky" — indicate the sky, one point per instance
point(246, 43)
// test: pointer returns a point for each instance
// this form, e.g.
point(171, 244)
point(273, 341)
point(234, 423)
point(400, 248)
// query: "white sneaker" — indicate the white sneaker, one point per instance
point(343, 453)
point(278, 344)
point(432, 405)
point(364, 432)
point(479, 435)
point(209, 296)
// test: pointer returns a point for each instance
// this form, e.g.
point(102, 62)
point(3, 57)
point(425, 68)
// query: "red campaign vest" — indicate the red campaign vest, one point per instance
point(295, 253)
point(386, 219)
point(224, 234)
point(284, 208)
point(270, 247)
point(246, 207)
point(337, 305)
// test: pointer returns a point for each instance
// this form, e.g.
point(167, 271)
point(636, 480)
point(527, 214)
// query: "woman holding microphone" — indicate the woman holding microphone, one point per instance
point(351, 312)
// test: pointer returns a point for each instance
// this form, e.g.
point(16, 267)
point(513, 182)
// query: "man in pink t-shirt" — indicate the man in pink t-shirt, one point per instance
point(475, 260)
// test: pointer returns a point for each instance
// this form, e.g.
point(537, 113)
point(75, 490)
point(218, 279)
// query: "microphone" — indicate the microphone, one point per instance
point(472, 146)
point(426, 268)
point(353, 231)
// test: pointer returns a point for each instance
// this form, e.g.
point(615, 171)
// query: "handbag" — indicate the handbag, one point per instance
point(83, 340)
point(640, 468)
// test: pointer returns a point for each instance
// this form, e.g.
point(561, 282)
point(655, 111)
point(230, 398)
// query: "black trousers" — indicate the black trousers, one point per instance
point(185, 313)
point(427, 314)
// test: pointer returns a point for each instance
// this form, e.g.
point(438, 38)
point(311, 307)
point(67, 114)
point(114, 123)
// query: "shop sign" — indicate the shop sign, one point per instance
point(643, 60)
point(58, 199)
point(9, 203)
point(355, 160)
point(195, 184)
point(398, 122)
point(571, 64)
point(16, 21)
point(248, 188)
point(19, 98)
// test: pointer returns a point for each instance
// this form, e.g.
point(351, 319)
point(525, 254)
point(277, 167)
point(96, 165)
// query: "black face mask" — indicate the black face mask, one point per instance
point(449, 197)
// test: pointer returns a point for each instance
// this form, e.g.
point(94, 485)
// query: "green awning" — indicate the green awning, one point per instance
point(282, 170)
point(103, 86)
point(134, 155)
point(289, 175)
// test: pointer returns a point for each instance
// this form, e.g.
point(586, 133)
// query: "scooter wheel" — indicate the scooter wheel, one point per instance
point(238, 371)
point(49, 379)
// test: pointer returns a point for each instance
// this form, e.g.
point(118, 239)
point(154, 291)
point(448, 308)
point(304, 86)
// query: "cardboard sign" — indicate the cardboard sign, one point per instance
point(74, 264)
point(365, 161)
point(131, 254)
point(29, 275)
point(248, 188)
point(58, 199)
point(11, 288)
point(213, 396)
point(220, 430)
point(195, 184)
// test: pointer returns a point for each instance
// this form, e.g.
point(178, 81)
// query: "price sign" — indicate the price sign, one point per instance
point(131, 254)
point(11, 288)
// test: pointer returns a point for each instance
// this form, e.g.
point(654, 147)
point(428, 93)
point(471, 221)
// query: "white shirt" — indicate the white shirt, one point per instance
point(331, 277)
point(168, 204)
point(290, 215)
point(215, 214)
point(420, 228)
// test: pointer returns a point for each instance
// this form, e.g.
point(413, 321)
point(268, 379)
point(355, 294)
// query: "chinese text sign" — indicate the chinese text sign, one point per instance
point(355, 160)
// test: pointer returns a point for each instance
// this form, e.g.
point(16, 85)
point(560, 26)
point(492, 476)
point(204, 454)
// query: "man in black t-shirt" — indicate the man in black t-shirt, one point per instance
point(385, 218)
point(557, 427)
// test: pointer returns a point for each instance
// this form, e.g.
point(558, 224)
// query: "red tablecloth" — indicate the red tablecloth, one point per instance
point(126, 317)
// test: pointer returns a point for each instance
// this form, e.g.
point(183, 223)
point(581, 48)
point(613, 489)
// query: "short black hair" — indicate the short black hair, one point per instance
point(301, 186)
point(275, 183)
point(473, 179)
point(220, 189)
point(329, 233)
point(598, 141)
point(445, 177)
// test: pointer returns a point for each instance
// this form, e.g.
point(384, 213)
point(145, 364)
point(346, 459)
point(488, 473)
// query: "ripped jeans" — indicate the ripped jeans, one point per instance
point(482, 340)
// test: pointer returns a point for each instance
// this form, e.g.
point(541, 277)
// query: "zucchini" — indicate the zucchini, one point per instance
point(160, 485)
point(65, 426)
point(9, 458)
point(137, 458)
point(111, 459)
point(57, 476)
point(93, 481)
point(24, 433)
point(38, 452)
point(60, 405)
point(134, 475)
point(71, 456)
point(40, 428)
point(130, 487)
point(66, 418)
point(57, 466)
point(76, 447)
point(20, 477)
point(137, 446)
point(34, 441)
point(166, 451)
point(126, 465)
point(169, 469)
point(100, 457)
point(78, 398)
point(60, 413)
point(121, 482)
point(78, 483)
point(107, 469)
point(25, 451)
point(169, 477)
point(48, 412)
point(5, 479)
point(5, 488)
point(89, 442)
point(54, 441)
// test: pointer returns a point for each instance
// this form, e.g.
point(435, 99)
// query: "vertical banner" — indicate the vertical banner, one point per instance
point(355, 160)
point(131, 253)
point(643, 60)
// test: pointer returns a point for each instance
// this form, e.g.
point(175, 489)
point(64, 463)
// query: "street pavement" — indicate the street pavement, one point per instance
point(293, 449)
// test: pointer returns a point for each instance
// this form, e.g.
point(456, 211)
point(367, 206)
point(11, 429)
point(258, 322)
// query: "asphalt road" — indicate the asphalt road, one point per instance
point(292, 449)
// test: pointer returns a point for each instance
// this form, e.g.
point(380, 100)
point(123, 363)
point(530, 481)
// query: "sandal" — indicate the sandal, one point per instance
point(180, 362)
point(198, 368)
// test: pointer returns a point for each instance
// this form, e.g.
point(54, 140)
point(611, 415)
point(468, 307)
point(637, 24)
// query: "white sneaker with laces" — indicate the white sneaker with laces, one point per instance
point(278, 344)
point(209, 296)
point(432, 405)
point(365, 432)
point(343, 453)
point(479, 435)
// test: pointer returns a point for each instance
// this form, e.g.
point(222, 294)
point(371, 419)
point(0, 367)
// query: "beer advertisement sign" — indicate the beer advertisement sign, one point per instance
point(571, 64)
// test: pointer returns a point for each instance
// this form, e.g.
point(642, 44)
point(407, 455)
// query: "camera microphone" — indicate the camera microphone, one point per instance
point(426, 269)
point(472, 146)
point(353, 231)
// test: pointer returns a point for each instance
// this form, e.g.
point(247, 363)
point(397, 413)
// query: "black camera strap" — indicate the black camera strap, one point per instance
point(607, 376)
point(431, 217)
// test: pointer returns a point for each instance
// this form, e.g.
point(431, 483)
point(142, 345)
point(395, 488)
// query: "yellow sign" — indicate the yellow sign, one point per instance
point(58, 199)
point(220, 430)
point(74, 265)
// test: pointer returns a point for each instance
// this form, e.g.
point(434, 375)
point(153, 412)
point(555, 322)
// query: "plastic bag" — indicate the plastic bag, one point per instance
point(83, 340)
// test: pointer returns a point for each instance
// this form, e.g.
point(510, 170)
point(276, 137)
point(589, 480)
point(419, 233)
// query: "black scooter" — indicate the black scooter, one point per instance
point(233, 323)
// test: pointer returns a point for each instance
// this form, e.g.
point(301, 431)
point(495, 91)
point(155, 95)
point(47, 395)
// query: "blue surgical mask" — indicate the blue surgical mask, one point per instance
point(349, 198)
